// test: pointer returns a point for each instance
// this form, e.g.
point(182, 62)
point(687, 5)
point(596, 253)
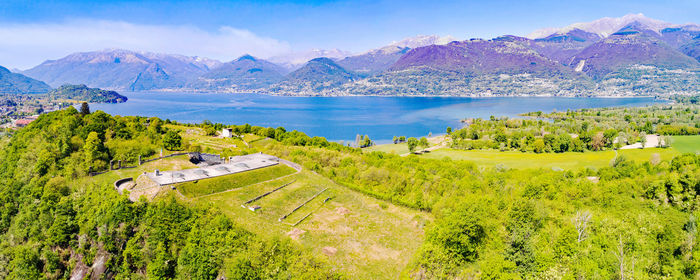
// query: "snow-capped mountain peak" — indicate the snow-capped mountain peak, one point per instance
point(294, 60)
point(414, 42)
point(605, 26)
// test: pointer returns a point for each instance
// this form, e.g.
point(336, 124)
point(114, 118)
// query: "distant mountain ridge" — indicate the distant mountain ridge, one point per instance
point(317, 75)
point(243, 74)
point(122, 69)
point(14, 83)
point(378, 60)
point(626, 56)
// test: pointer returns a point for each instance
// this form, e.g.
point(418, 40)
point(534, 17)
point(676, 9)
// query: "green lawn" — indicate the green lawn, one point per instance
point(512, 159)
point(251, 137)
point(237, 180)
point(398, 149)
point(686, 144)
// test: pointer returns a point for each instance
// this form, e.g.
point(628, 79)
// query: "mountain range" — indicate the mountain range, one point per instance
point(15, 83)
point(630, 55)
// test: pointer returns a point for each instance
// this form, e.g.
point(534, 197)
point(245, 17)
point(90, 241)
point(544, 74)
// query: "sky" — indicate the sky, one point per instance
point(34, 31)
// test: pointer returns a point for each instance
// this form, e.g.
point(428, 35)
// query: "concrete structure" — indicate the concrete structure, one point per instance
point(227, 132)
point(235, 165)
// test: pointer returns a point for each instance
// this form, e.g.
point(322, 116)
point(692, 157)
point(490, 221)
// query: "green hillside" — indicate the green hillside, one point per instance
point(346, 214)
point(86, 94)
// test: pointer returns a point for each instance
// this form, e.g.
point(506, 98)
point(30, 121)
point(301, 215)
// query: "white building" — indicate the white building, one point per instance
point(227, 132)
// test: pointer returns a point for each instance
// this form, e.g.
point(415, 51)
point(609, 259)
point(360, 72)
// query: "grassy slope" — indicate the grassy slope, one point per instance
point(251, 137)
point(511, 159)
point(197, 136)
point(375, 240)
point(686, 144)
point(398, 149)
point(237, 180)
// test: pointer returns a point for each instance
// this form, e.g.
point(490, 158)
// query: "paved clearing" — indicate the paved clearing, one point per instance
point(237, 164)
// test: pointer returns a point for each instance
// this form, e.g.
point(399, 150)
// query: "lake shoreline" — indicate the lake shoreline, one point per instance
point(341, 118)
point(409, 96)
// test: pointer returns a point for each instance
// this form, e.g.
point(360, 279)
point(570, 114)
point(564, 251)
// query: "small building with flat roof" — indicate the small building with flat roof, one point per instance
point(227, 132)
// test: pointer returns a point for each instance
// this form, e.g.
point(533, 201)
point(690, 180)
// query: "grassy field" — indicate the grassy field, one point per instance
point(567, 161)
point(401, 148)
point(398, 149)
point(237, 180)
point(197, 136)
point(251, 137)
point(373, 239)
point(686, 144)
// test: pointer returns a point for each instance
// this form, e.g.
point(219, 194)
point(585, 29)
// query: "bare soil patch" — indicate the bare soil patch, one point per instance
point(342, 211)
point(329, 251)
point(296, 233)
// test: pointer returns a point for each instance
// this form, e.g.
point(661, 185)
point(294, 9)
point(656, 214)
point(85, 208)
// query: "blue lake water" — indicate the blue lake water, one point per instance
point(341, 118)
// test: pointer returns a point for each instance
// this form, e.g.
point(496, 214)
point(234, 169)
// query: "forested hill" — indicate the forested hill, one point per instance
point(629, 219)
point(53, 228)
point(14, 83)
point(86, 94)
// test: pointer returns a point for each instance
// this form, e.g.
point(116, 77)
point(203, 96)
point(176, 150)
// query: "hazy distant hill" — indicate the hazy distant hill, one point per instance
point(84, 93)
point(244, 73)
point(295, 60)
point(122, 69)
point(14, 83)
point(692, 48)
point(314, 77)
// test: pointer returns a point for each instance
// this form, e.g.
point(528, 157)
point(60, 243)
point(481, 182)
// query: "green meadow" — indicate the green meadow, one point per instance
point(686, 144)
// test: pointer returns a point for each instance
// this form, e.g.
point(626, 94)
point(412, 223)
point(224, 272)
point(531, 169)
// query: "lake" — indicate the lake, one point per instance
point(341, 118)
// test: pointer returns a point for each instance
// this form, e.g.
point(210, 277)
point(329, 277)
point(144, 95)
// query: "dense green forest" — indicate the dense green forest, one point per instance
point(579, 130)
point(626, 221)
point(86, 94)
point(50, 230)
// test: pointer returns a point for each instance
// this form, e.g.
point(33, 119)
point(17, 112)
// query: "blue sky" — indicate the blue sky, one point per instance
point(349, 25)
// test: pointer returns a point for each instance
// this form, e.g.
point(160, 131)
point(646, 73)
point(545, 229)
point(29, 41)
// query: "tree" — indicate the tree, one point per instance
point(577, 145)
point(172, 141)
point(449, 130)
point(423, 142)
point(366, 142)
point(461, 233)
point(412, 143)
point(609, 136)
point(597, 142)
point(538, 146)
point(94, 151)
point(643, 139)
point(500, 137)
point(581, 221)
point(564, 144)
point(396, 139)
point(84, 108)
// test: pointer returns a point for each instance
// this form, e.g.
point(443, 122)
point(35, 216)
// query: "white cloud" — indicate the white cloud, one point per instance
point(26, 45)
